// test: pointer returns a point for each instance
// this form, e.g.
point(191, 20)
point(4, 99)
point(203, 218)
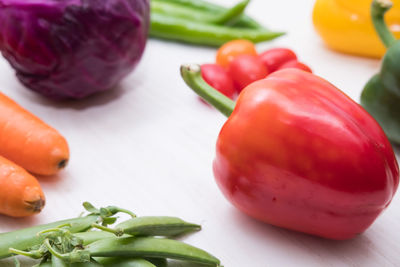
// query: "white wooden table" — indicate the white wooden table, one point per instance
point(148, 146)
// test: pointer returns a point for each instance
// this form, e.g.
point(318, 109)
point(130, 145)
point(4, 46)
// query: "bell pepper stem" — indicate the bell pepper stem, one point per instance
point(191, 74)
point(378, 10)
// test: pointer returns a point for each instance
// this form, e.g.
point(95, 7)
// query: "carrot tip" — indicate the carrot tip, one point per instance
point(62, 163)
point(36, 205)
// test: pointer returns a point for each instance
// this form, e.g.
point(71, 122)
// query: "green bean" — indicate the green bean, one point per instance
point(57, 262)
point(45, 264)
point(111, 262)
point(86, 264)
point(149, 247)
point(204, 34)
point(77, 264)
point(156, 226)
point(135, 247)
point(208, 9)
point(121, 262)
point(26, 238)
point(159, 262)
point(16, 262)
point(92, 236)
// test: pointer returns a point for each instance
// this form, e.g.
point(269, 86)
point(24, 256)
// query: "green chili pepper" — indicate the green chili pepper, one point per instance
point(153, 226)
point(27, 238)
point(381, 95)
point(207, 10)
point(229, 16)
point(204, 34)
point(196, 4)
point(202, 23)
point(232, 14)
point(179, 11)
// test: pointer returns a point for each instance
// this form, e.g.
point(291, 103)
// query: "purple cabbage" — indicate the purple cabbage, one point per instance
point(73, 48)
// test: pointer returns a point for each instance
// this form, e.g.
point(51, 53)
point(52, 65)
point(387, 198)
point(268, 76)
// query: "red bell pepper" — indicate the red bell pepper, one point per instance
point(296, 152)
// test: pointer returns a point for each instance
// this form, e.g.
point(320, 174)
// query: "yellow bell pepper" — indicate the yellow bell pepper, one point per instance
point(346, 26)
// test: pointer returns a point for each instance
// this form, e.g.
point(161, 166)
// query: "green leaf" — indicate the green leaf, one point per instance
point(104, 212)
point(90, 208)
point(109, 220)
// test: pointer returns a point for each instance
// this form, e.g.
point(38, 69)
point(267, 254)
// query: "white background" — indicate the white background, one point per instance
point(148, 146)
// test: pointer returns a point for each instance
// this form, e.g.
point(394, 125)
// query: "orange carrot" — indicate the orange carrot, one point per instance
point(20, 192)
point(28, 141)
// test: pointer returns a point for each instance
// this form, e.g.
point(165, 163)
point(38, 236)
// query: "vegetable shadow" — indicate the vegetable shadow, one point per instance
point(97, 99)
point(396, 149)
point(18, 223)
point(356, 250)
point(24, 261)
point(52, 179)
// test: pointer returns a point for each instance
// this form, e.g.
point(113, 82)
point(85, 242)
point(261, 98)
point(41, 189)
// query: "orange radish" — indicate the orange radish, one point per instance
point(20, 192)
point(28, 141)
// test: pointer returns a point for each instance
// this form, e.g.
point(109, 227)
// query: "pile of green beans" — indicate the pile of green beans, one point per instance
point(26, 238)
point(89, 241)
point(203, 23)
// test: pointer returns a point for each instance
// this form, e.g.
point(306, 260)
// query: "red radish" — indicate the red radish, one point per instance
point(245, 69)
point(217, 77)
point(276, 57)
point(295, 65)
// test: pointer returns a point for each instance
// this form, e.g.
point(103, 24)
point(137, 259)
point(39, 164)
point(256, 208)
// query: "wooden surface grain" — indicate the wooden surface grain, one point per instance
point(148, 146)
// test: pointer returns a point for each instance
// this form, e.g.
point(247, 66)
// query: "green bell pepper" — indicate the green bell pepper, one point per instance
point(381, 95)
